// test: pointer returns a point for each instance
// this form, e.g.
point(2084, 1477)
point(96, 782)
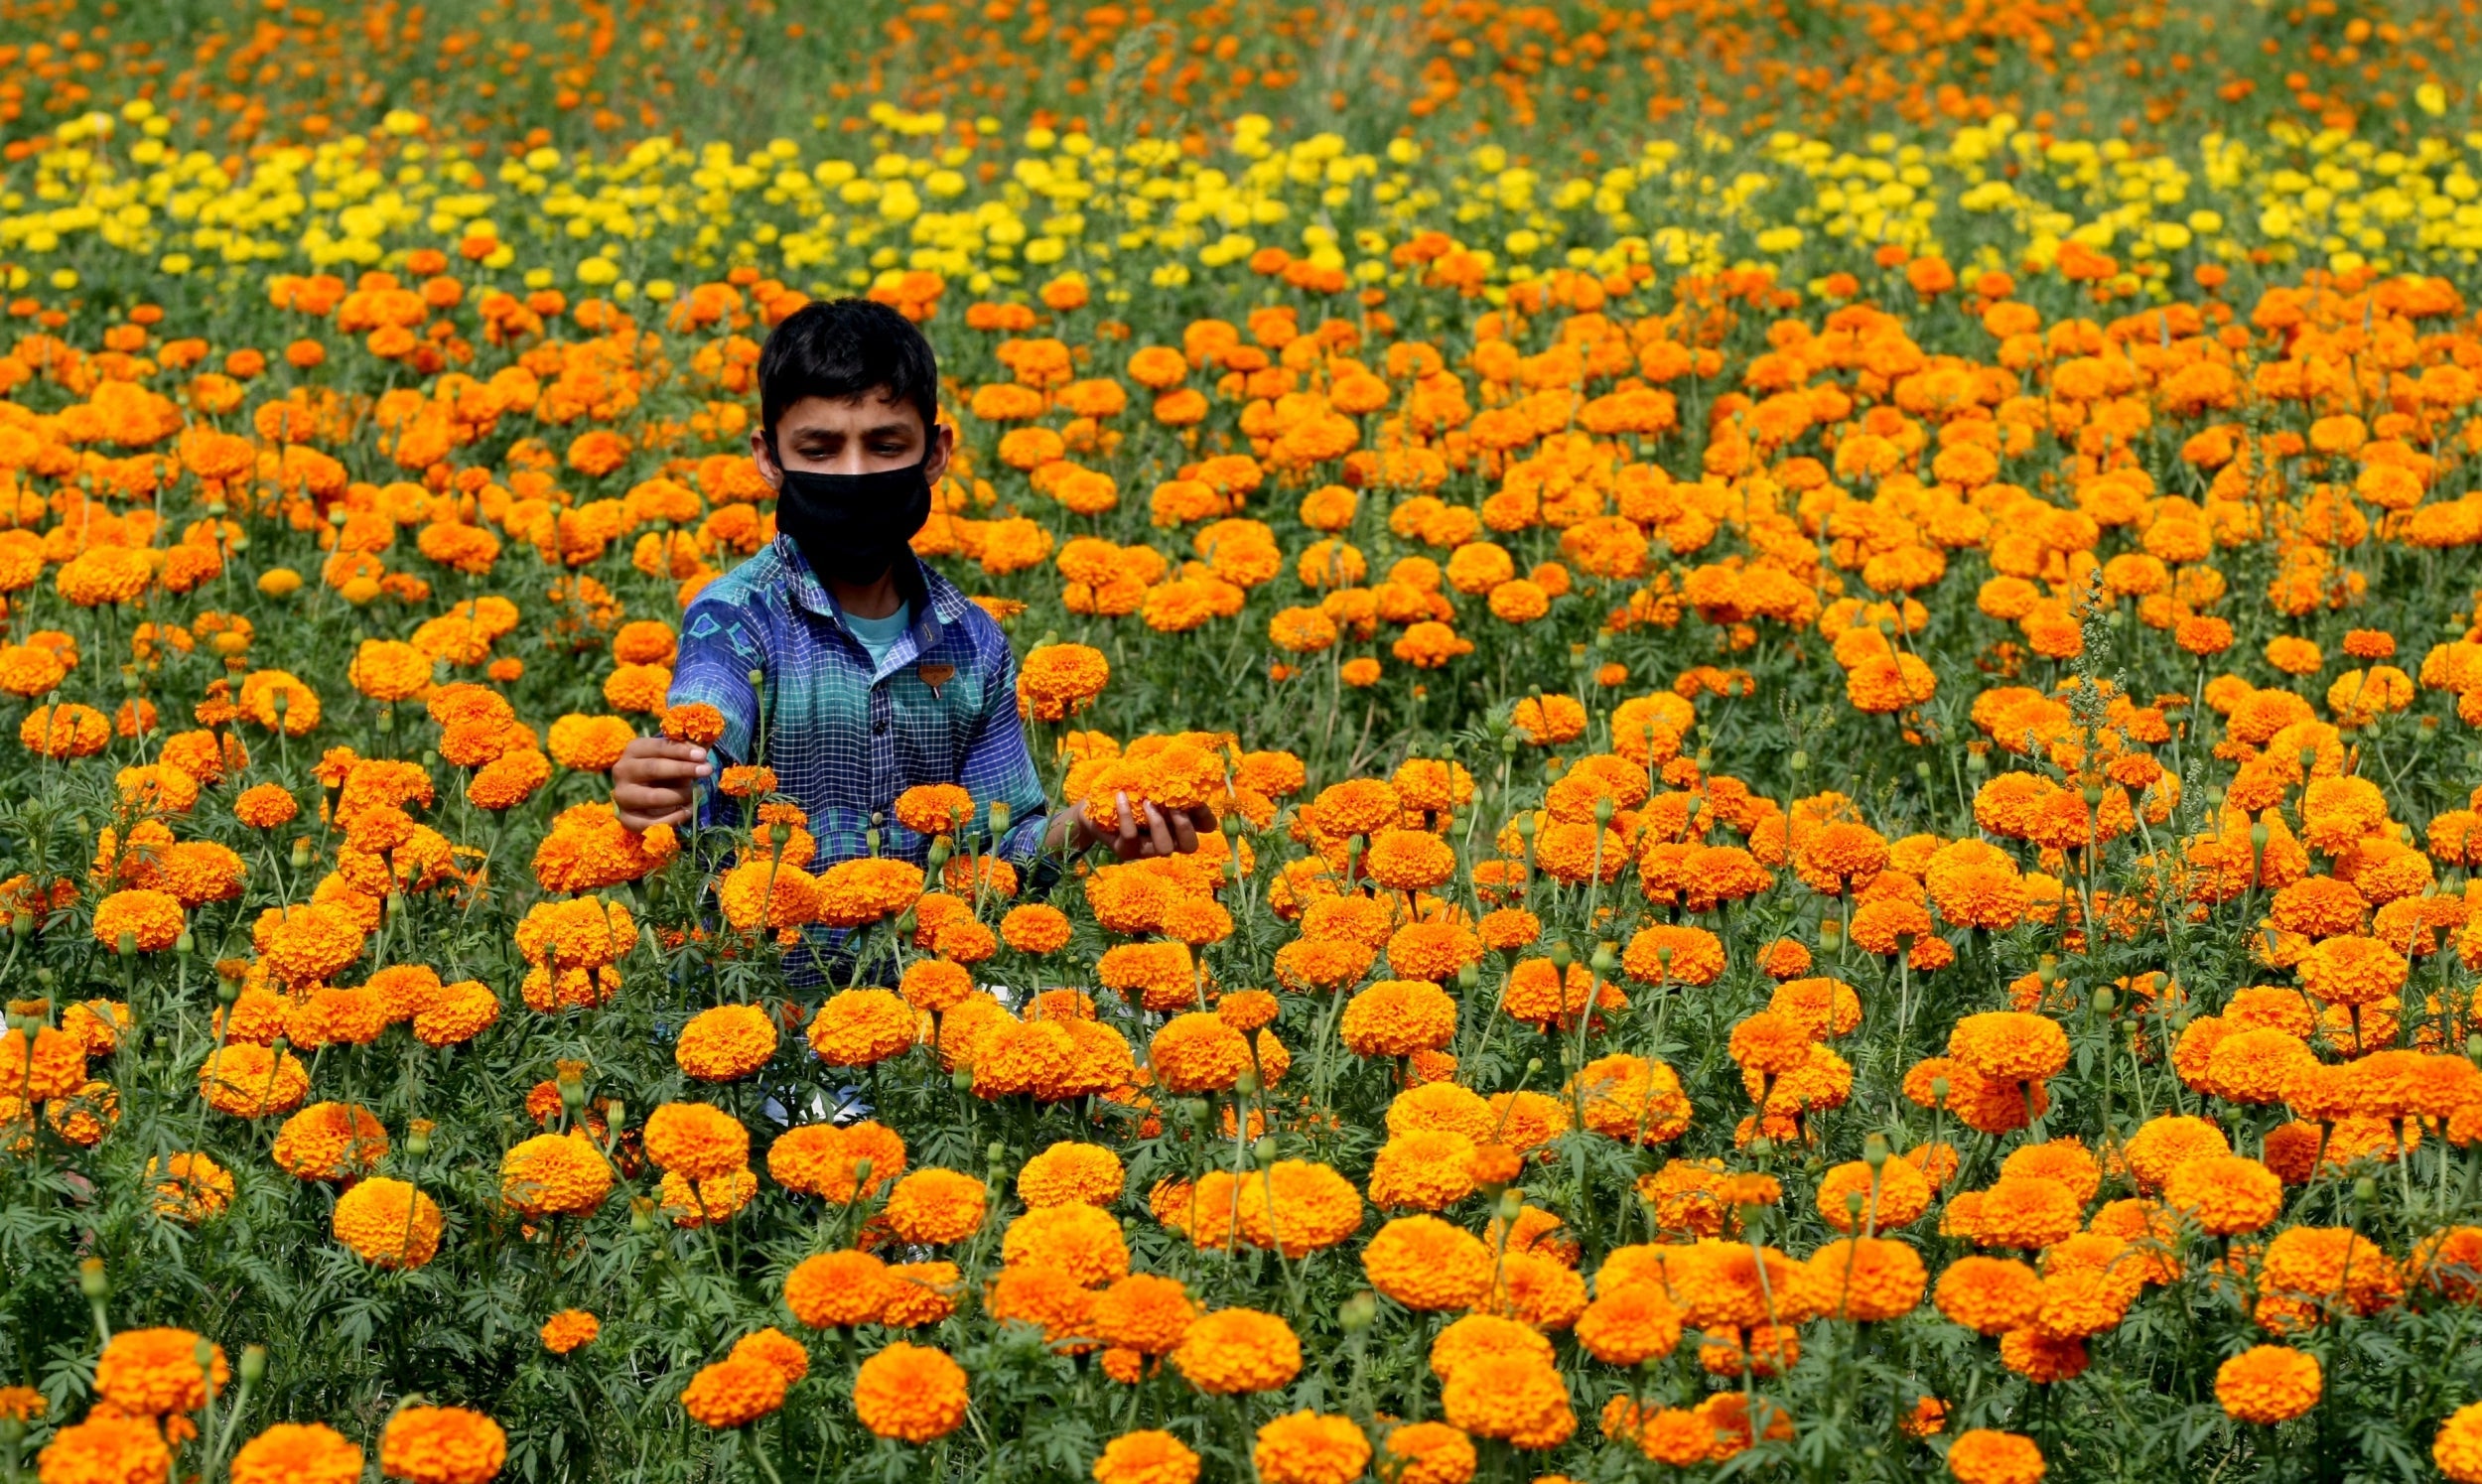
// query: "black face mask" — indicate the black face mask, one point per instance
point(852, 528)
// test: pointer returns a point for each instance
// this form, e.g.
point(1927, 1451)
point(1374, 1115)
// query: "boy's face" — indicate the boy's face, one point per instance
point(852, 436)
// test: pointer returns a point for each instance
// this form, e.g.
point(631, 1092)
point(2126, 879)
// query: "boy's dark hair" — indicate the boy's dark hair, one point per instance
point(847, 347)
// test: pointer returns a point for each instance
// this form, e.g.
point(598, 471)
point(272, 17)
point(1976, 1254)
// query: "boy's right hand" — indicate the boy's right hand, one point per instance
point(656, 782)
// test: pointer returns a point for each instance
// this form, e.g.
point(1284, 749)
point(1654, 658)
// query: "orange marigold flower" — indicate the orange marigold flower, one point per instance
point(2268, 1384)
point(933, 1207)
point(555, 1174)
point(697, 723)
point(248, 1081)
point(2225, 1194)
point(331, 1141)
point(734, 1392)
point(2010, 1046)
point(1990, 1295)
point(1425, 1263)
point(1080, 1240)
point(570, 1329)
point(697, 1141)
point(911, 1392)
point(1149, 1457)
point(1399, 1017)
point(388, 1223)
point(2458, 1450)
point(1513, 1396)
point(1308, 1447)
point(1238, 1350)
point(265, 806)
point(152, 920)
point(1984, 1456)
point(109, 1447)
point(858, 1028)
point(297, 1453)
point(441, 1446)
point(726, 1042)
point(152, 1372)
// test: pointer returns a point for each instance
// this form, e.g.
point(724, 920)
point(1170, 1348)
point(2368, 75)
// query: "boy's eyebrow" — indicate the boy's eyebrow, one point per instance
point(876, 431)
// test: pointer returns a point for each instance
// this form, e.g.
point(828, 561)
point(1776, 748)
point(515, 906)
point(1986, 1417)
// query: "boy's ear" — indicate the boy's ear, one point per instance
point(763, 456)
point(943, 443)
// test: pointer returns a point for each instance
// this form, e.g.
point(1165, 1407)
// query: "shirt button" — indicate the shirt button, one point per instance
point(880, 727)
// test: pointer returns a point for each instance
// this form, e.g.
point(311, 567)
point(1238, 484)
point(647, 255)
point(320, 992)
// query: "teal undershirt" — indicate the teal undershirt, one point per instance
point(878, 635)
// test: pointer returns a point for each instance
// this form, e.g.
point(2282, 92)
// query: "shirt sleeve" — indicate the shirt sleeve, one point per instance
point(998, 770)
point(720, 647)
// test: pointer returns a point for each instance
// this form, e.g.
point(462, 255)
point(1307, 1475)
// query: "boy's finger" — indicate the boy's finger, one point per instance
point(655, 770)
point(632, 799)
point(665, 747)
point(1185, 837)
point(1159, 832)
point(1128, 824)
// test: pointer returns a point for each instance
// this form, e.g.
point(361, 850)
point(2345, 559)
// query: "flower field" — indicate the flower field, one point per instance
point(1837, 648)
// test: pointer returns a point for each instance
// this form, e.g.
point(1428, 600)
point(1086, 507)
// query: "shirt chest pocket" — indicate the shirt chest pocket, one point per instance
point(930, 726)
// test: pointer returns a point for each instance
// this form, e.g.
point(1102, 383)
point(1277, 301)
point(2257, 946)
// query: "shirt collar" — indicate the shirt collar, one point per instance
point(935, 600)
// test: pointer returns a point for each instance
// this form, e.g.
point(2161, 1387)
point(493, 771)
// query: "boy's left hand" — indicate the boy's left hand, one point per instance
point(1140, 833)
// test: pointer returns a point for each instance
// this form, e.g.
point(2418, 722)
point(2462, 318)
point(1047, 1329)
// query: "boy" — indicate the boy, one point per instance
point(879, 673)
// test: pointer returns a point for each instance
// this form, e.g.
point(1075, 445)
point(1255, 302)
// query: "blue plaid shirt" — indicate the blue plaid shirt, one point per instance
point(845, 736)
